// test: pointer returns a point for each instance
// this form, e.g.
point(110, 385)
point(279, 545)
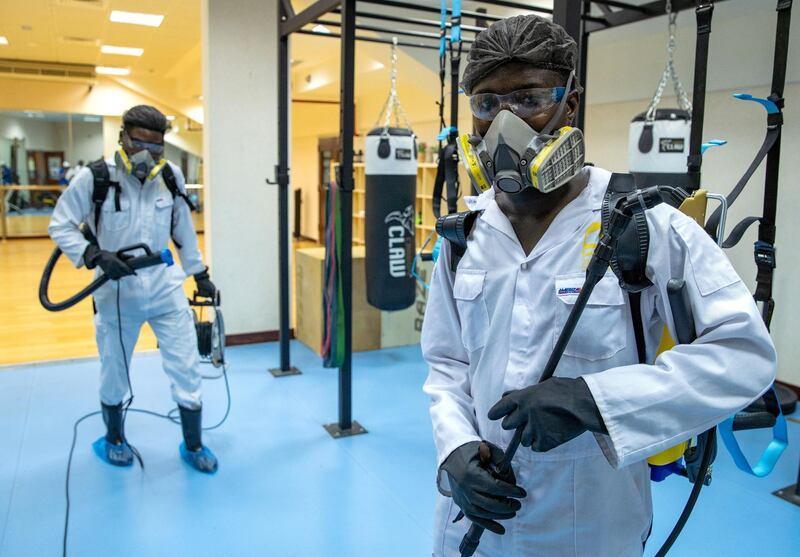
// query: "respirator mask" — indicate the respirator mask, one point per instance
point(512, 155)
point(147, 160)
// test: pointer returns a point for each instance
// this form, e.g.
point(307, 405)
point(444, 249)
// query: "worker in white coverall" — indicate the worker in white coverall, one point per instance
point(490, 326)
point(142, 209)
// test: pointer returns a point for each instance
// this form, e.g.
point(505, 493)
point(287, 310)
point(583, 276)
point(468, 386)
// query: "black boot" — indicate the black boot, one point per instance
point(113, 448)
point(192, 449)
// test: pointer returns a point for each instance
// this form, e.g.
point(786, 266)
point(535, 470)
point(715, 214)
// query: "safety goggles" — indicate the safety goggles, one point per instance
point(156, 149)
point(523, 102)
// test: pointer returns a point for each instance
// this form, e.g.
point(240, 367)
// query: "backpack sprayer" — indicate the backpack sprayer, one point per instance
point(621, 215)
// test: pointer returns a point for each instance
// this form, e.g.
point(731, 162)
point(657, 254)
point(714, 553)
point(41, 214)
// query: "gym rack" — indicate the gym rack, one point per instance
point(579, 17)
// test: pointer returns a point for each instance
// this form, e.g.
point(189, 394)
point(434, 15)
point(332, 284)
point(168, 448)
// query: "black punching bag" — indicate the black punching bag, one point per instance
point(391, 189)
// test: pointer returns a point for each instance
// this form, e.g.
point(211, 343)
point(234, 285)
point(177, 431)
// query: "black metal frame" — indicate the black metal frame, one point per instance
point(573, 15)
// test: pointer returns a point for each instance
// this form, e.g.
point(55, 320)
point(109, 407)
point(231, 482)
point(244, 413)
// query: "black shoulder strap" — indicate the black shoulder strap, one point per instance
point(172, 186)
point(630, 257)
point(632, 251)
point(455, 228)
point(102, 183)
point(635, 299)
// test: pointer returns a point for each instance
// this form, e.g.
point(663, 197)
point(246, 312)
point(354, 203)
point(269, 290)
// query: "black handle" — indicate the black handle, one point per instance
point(214, 301)
point(753, 420)
point(124, 252)
point(681, 309)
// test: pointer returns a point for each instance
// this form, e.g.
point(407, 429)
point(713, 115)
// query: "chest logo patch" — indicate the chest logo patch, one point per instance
point(569, 290)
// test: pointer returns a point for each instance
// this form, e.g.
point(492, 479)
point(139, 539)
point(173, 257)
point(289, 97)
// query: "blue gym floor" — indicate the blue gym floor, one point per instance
point(285, 488)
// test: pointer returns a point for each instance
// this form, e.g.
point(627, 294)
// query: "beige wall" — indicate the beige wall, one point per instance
point(310, 122)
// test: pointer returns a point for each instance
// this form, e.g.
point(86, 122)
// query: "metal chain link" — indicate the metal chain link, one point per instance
point(392, 106)
point(669, 73)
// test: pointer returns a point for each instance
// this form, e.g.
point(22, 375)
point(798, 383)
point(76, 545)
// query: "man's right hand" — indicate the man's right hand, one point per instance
point(482, 495)
point(113, 266)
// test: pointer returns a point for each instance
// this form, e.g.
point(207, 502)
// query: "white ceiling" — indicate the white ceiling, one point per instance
point(71, 31)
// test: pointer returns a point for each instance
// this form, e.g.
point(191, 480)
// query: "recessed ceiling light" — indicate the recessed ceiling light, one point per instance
point(121, 50)
point(321, 29)
point(136, 18)
point(170, 117)
point(3, 40)
point(108, 70)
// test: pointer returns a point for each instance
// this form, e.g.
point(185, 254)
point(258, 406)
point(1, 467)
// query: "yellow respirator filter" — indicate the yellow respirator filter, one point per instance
point(470, 159)
point(559, 160)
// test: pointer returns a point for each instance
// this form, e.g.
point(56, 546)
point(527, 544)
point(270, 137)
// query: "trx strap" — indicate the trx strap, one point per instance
point(704, 11)
point(780, 436)
point(764, 249)
point(447, 169)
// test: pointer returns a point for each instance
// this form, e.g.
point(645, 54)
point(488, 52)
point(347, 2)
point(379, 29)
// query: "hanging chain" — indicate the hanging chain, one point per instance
point(669, 73)
point(392, 106)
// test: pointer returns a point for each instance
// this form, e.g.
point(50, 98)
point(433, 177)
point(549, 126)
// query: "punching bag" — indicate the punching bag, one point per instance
point(658, 149)
point(658, 141)
point(391, 189)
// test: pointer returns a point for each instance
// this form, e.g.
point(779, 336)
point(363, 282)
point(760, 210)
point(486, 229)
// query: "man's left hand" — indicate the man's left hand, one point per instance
point(205, 287)
point(550, 413)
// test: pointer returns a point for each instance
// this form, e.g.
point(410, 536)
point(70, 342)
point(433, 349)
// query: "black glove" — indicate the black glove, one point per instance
point(205, 287)
point(113, 266)
point(482, 494)
point(551, 412)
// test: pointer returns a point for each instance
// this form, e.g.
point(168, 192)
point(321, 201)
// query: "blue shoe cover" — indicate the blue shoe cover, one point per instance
point(116, 455)
point(202, 460)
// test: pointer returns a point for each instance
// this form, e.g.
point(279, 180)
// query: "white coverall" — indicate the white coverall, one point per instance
point(154, 294)
point(491, 328)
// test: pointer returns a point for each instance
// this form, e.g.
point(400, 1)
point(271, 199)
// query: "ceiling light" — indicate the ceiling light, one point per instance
point(108, 70)
point(170, 117)
point(121, 50)
point(3, 40)
point(136, 18)
point(321, 29)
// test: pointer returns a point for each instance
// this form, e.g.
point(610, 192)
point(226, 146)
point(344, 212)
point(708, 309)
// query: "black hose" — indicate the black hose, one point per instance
point(149, 259)
point(698, 485)
point(44, 285)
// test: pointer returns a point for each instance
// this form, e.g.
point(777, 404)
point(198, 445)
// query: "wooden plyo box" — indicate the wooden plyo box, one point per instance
point(372, 328)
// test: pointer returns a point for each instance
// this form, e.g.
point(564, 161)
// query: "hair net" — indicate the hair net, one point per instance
point(530, 39)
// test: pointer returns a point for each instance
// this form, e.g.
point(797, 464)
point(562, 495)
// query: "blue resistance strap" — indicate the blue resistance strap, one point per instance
point(443, 29)
point(437, 247)
point(455, 32)
point(766, 463)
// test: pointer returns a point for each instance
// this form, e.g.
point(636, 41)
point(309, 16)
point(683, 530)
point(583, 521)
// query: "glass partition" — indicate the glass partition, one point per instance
point(41, 151)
